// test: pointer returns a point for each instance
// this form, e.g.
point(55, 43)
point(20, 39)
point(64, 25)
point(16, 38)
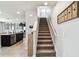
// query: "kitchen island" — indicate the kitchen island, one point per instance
point(10, 39)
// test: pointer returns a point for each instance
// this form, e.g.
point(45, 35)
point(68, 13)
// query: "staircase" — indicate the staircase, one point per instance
point(45, 47)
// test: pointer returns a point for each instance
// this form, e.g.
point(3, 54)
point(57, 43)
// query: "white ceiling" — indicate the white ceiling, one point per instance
point(9, 8)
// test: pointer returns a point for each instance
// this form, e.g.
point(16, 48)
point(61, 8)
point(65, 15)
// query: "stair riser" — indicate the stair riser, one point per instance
point(43, 29)
point(46, 34)
point(43, 22)
point(39, 48)
point(43, 39)
point(43, 25)
point(46, 55)
point(44, 42)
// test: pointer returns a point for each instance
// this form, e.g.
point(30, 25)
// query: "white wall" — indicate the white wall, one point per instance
point(30, 20)
point(67, 33)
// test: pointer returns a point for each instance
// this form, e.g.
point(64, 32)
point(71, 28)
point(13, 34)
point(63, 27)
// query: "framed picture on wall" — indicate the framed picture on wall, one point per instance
point(71, 12)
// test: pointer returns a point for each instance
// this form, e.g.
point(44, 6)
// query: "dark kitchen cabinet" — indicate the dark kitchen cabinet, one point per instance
point(8, 40)
point(19, 37)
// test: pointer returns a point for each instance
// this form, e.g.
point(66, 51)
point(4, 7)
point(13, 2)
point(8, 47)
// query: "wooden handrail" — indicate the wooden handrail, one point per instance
point(30, 44)
point(32, 40)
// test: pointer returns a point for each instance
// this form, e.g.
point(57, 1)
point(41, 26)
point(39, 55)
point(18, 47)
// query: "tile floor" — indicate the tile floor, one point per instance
point(16, 50)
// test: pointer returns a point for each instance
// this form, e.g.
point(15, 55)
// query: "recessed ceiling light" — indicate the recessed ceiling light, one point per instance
point(30, 15)
point(0, 12)
point(45, 3)
point(18, 12)
point(17, 19)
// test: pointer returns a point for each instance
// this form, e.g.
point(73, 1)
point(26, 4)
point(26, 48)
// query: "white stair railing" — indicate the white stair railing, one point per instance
point(35, 36)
